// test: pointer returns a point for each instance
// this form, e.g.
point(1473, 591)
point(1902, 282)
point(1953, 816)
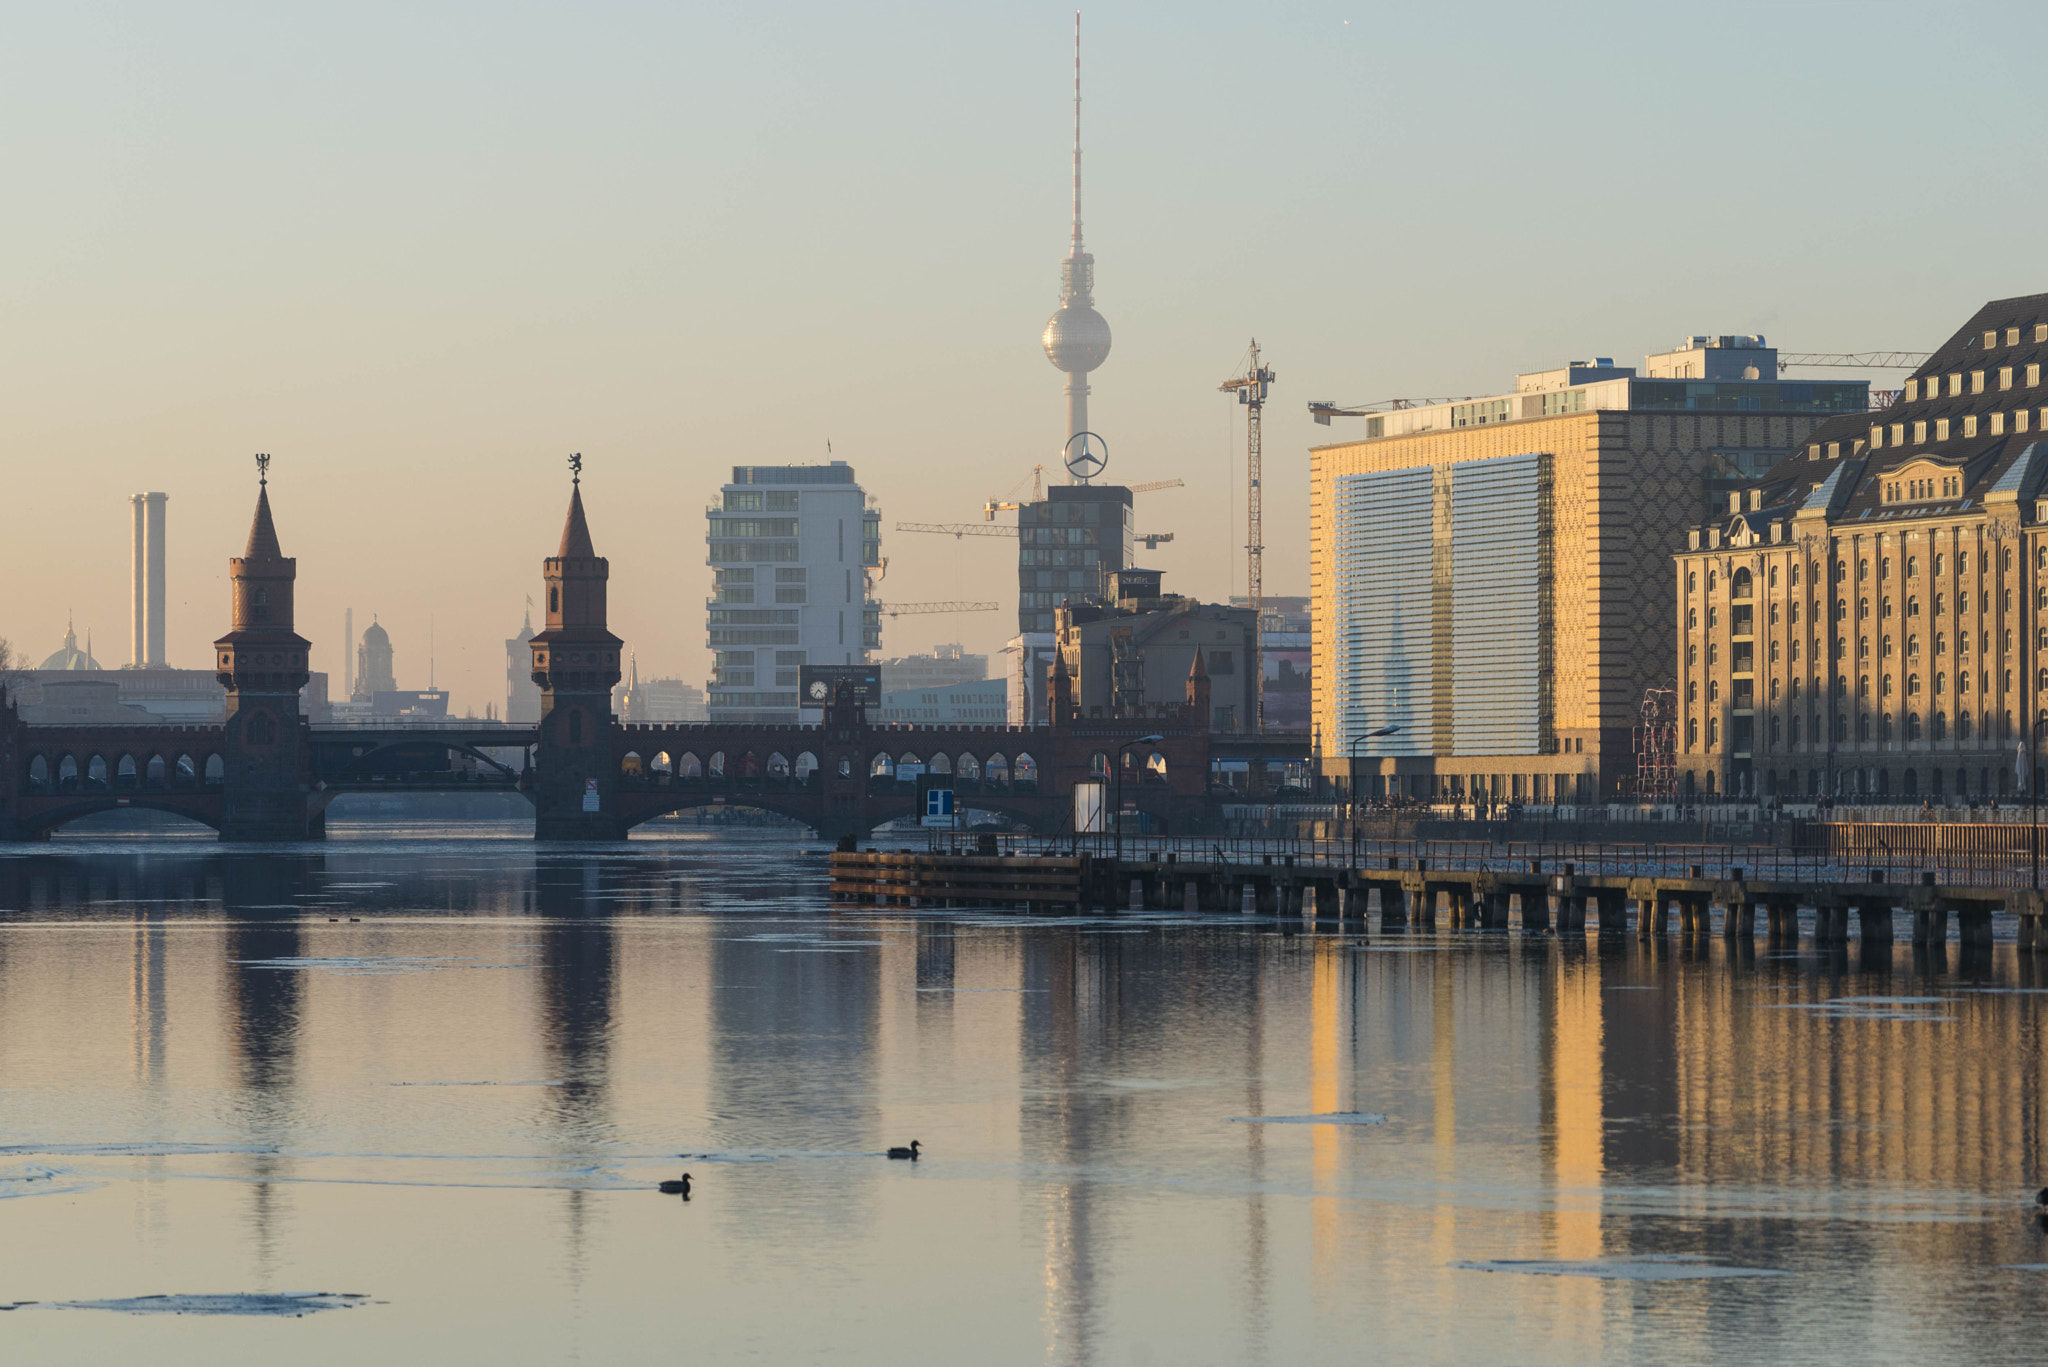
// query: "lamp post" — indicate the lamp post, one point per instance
point(1361, 736)
point(1120, 751)
point(2034, 800)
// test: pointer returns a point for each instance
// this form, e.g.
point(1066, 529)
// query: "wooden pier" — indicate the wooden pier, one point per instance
point(1650, 891)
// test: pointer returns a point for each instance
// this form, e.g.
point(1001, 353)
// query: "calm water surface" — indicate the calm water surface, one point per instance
point(443, 1075)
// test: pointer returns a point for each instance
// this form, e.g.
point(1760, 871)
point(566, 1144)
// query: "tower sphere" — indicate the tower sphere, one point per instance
point(1077, 338)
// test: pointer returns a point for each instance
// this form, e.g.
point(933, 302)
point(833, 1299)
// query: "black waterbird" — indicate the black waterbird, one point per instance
point(910, 1153)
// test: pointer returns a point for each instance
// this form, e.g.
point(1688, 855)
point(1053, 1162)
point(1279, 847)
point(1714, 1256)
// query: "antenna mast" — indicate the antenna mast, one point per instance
point(1251, 390)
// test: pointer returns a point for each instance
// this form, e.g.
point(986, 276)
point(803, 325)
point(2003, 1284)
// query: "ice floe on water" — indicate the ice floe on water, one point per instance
point(1327, 1118)
point(1638, 1267)
point(274, 1304)
point(361, 965)
point(147, 1148)
point(33, 1179)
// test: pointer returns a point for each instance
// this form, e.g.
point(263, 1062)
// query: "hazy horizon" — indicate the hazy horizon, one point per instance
point(420, 255)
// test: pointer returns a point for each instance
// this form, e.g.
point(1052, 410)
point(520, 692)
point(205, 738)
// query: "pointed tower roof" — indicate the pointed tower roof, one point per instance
point(1198, 670)
point(263, 532)
point(576, 531)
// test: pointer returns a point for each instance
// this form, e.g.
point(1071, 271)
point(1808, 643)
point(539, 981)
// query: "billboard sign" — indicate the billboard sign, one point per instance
point(817, 682)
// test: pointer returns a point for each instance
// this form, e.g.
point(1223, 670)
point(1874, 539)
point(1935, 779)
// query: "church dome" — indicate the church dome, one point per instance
point(1077, 339)
point(71, 657)
point(375, 635)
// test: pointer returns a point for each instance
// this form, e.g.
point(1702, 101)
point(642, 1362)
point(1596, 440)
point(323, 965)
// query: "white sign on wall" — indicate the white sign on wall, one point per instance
point(589, 794)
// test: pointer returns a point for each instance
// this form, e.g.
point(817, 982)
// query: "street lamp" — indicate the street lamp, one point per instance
point(1362, 736)
point(2034, 799)
point(1141, 740)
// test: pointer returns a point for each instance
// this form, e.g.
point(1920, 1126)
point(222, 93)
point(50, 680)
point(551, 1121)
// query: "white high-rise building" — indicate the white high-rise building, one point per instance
point(791, 551)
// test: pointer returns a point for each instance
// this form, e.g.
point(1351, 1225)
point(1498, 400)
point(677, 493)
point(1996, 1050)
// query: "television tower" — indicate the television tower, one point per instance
point(1077, 338)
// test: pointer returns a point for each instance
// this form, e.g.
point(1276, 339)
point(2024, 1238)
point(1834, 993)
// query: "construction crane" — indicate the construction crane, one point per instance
point(921, 609)
point(1322, 410)
point(956, 530)
point(1855, 360)
point(992, 507)
point(1251, 388)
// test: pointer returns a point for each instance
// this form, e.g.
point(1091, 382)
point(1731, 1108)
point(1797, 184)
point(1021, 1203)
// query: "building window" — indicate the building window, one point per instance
point(1998, 424)
point(1976, 382)
point(1692, 581)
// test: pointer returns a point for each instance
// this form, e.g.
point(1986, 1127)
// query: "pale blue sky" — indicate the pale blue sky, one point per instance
point(420, 252)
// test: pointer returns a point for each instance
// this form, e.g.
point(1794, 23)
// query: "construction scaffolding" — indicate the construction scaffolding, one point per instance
point(1656, 744)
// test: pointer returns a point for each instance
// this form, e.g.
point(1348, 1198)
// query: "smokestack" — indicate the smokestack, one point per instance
point(138, 614)
point(348, 653)
point(154, 544)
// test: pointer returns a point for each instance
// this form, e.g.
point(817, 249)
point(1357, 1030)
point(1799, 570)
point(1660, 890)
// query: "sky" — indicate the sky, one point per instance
point(419, 253)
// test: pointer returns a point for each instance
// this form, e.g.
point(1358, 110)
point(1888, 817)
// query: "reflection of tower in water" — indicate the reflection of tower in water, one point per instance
point(578, 956)
point(265, 1006)
point(1062, 1006)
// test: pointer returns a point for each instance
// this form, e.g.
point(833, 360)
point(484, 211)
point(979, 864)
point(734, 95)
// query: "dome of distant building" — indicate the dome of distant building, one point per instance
point(375, 634)
point(1077, 339)
point(71, 657)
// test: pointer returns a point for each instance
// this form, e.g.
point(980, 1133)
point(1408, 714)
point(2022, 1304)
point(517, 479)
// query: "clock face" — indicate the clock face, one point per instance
point(818, 689)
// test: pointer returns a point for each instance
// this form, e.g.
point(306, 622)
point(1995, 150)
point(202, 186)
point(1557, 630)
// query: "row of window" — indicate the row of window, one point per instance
point(1742, 584)
point(1744, 688)
point(1969, 425)
point(1868, 727)
point(1956, 382)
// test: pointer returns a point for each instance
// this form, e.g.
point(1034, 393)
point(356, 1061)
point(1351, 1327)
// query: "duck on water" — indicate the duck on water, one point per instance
point(910, 1153)
point(677, 1187)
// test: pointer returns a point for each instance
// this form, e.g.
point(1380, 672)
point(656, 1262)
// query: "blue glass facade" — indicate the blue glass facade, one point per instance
point(1385, 634)
point(1498, 587)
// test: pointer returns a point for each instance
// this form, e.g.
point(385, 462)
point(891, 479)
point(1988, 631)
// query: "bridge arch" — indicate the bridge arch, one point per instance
point(38, 775)
point(36, 824)
point(156, 775)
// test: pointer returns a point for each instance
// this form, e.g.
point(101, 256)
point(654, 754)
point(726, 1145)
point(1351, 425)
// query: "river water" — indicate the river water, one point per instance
point(401, 1101)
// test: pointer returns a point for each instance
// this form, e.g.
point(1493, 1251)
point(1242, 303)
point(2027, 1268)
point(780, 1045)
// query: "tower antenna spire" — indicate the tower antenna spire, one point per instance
point(1077, 132)
point(263, 470)
point(1077, 339)
point(576, 468)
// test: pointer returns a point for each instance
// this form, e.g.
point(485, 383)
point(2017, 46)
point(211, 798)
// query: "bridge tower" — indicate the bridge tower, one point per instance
point(262, 665)
point(575, 663)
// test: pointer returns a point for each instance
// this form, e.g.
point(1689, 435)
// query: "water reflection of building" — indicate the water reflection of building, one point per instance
point(578, 953)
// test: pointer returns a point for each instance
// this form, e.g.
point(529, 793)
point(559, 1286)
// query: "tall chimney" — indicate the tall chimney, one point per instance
point(154, 538)
point(348, 653)
point(138, 614)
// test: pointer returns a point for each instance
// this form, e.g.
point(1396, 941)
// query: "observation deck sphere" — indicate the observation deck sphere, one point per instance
point(1077, 339)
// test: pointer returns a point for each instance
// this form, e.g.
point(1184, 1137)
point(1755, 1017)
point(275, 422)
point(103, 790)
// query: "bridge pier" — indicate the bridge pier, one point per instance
point(1611, 905)
point(1535, 910)
point(1876, 922)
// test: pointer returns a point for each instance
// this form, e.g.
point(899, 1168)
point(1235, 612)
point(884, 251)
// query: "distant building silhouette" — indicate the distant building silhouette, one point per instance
point(522, 694)
point(373, 665)
point(71, 657)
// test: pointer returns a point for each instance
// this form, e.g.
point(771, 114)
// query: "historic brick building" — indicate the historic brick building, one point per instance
point(1866, 618)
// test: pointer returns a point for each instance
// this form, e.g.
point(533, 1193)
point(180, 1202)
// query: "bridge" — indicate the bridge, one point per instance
point(267, 773)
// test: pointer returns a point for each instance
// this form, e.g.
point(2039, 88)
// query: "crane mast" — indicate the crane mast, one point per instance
point(1251, 388)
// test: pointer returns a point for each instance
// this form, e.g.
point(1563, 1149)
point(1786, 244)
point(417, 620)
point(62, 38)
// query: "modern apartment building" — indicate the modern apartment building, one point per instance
point(792, 549)
point(1492, 576)
point(1870, 618)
